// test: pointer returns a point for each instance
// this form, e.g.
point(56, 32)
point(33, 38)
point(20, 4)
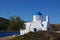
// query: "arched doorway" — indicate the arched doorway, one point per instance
point(35, 30)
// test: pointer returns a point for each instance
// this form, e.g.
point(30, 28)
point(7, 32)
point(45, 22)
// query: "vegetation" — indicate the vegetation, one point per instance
point(11, 24)
point(15, 24)
point(41, 35)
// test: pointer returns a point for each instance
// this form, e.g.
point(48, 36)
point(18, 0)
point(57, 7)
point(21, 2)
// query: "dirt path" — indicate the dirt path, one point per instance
point(7, 38)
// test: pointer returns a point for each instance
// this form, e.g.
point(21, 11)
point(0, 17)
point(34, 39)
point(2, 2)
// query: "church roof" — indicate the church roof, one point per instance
point(38, 13)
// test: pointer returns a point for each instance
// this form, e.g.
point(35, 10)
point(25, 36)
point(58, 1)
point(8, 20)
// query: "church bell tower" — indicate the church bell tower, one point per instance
point(37, 17)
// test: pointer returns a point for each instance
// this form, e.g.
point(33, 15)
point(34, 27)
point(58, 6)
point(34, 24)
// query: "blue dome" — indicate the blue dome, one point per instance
point(38, 13)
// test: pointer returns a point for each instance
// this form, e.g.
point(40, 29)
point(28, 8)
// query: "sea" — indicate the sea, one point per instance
point(4, 34)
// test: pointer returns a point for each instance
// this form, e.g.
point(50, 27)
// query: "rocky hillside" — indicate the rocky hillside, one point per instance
point(41, 35)
point(55, 27)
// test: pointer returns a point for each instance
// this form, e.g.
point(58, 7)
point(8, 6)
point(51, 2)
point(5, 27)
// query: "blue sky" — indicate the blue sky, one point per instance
point(27, 8)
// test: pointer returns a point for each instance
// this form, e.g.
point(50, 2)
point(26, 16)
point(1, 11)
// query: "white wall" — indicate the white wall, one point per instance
point(38, 24)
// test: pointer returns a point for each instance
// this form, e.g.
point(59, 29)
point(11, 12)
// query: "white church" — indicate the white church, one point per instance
point(36, 25)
